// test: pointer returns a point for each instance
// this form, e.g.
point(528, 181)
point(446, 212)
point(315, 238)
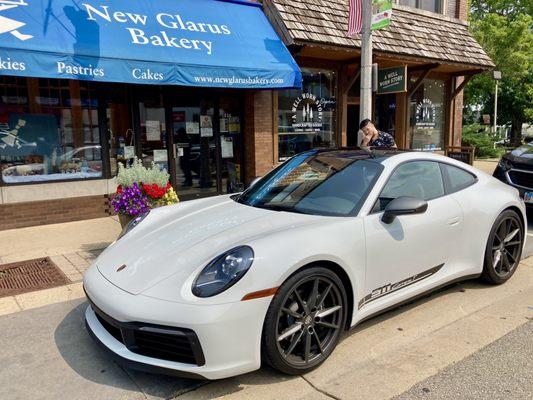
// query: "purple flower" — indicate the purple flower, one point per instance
point(132, 201)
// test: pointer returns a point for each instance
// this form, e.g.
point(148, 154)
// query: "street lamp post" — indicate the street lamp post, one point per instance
point(366, 61)
point(497, 75)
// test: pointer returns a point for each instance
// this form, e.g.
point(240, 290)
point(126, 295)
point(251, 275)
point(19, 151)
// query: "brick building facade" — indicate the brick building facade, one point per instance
point(266, 126)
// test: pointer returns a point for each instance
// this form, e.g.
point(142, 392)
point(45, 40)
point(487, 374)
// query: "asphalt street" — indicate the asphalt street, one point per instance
point(502, 370)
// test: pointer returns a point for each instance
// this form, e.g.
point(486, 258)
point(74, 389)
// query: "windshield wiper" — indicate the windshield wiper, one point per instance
point(275, 207)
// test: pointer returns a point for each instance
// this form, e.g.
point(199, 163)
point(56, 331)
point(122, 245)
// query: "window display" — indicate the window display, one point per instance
point(50, 135)
point(427, 116)
point(307, 117)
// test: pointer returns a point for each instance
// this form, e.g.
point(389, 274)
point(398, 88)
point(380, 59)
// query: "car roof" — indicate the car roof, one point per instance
point(375, 154)
point(385, 156)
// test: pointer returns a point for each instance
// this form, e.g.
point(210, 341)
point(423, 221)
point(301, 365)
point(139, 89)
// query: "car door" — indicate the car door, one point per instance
point(404, 255)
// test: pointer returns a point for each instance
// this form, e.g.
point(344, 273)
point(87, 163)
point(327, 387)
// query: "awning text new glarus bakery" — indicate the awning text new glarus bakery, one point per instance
point(162, 38)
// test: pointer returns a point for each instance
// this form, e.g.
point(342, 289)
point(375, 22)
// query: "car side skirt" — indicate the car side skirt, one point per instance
point(417, 297)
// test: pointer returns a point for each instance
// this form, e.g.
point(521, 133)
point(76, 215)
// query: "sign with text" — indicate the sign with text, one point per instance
point(463, 154)
point(186, 43)
point(381, 13)
point(392, 80)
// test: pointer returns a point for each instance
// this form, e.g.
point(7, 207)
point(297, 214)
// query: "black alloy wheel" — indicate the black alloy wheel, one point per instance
point(305, 321)
point(504, 248)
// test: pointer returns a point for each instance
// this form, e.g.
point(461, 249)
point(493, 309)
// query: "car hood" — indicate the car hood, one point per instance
point(181, 239)
point(522, 154)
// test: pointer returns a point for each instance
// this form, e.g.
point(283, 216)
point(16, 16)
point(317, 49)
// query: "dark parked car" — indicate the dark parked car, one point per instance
point(516, 169)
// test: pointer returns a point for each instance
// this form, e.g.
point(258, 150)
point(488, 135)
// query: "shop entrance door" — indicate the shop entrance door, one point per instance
point(353, 125)
point(207, 138)
point(195, 147)
point(152, 133)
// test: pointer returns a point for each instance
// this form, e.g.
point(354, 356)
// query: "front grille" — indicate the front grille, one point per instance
point(163, 346)
point(164, 343)
point(521, 178)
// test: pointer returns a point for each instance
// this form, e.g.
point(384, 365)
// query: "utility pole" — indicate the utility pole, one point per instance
point(496, 107)
point(497, 77)
point(366, 62)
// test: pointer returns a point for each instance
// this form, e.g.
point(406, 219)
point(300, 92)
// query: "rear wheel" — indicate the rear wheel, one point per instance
point(305, 321)
point(504, 248)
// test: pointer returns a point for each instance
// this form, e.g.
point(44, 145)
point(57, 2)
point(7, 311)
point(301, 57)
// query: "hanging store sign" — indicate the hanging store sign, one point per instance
point(392, 80)
point(381, 13)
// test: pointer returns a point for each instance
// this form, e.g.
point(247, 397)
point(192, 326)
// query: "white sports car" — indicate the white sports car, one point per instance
point(211, 288)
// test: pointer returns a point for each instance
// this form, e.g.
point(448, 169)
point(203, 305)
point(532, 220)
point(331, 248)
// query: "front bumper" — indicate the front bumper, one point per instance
point(228, 335)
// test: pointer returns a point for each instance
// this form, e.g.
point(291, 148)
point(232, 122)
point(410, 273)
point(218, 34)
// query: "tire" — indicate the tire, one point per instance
point(504, 248)
point(305, 321)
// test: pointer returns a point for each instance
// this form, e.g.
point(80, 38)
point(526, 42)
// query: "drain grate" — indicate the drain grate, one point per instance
point(27, 276)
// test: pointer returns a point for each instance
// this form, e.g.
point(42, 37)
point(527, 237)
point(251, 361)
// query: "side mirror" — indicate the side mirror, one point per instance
point(403, 206)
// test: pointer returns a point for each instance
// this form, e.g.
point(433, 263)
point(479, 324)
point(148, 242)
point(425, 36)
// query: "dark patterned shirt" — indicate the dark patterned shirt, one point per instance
point(383, 140)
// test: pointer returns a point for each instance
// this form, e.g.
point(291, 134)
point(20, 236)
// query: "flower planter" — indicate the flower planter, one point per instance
point(141, 189)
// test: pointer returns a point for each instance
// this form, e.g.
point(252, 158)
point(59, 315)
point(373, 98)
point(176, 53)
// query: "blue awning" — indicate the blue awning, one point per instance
point(209, 43)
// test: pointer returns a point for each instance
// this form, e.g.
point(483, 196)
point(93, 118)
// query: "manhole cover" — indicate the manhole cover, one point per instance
point(27, 276)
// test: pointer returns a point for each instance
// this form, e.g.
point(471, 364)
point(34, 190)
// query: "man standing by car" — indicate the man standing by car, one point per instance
point(374, 138)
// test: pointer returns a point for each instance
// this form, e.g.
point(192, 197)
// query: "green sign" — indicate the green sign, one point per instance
point(381, 13)
point(392, 80)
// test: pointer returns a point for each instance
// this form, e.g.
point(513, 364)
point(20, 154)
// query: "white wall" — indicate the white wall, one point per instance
point(56, 190)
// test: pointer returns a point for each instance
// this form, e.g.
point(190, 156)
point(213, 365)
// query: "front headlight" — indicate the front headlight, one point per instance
point(223, 272)
point(136, 221)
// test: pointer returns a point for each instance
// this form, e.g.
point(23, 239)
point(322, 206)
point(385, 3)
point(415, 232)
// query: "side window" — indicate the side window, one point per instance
point(419, 179)
point(458, 178)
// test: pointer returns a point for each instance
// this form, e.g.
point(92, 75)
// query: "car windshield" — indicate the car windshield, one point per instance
point(316, 183)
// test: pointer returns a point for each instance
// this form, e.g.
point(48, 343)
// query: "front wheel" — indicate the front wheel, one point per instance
point(504, 248)
point(305, 321)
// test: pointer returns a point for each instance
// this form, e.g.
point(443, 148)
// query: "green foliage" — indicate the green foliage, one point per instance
point(476, 136)
point(504, 30)
point(137, 173)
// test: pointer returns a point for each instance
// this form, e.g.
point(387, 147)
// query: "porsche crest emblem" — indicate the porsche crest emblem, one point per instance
point(122, 268)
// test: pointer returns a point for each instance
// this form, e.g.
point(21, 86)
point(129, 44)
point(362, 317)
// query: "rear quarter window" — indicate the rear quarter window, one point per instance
point(457, 178)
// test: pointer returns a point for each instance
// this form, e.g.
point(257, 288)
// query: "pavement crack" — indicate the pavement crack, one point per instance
point(331, 396)
point(191, 389)
point(133, 380)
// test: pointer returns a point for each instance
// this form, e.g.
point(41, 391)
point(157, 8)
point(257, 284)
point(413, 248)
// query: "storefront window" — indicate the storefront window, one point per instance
point(48, 130)
point(385, 118)
point(427, 116)
point(120, 133)
point(427, 5)
point(307, 117)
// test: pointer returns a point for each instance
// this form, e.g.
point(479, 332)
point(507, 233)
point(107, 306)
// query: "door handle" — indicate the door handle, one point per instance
point(454, 221)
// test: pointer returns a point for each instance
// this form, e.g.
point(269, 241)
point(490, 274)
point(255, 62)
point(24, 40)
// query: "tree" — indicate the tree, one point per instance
point(504, 30)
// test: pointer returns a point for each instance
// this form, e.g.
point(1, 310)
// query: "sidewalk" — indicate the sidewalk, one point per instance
point(71, 246)
point(488, 165)
point(51, 356)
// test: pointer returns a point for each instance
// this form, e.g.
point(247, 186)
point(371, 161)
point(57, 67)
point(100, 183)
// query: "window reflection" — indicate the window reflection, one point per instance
point(48, 130)
point(307, 117)
point(427, 116)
